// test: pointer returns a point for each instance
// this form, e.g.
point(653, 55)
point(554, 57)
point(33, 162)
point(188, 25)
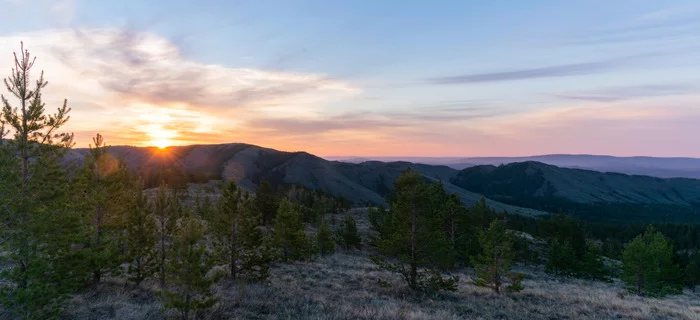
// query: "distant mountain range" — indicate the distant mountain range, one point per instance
point(527, 188)
point(650, 166)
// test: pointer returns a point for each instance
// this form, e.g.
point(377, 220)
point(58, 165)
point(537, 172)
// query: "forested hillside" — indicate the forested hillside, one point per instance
point(589, 195)
point(527, 188)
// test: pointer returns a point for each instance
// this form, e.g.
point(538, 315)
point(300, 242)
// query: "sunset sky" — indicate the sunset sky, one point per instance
point(372, 78)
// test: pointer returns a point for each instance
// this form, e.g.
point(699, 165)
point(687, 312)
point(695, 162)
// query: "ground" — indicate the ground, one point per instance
point(345, 286)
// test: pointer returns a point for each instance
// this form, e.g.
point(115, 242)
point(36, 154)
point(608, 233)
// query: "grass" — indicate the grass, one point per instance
point(345, 286)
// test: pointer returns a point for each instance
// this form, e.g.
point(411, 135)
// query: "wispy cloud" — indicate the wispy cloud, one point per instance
point(678, 23)
point(139, 83)
point(562, 70)
point(614, 94)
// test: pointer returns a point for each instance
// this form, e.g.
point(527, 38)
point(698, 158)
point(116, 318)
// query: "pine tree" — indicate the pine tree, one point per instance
point(457, 227)
point(266, 202)
point(166, 210)
point(347, 234)
point(561, 258)
point(140, 239)
point(238, 240)
point(493, 265)
point(415, 237)
point(324, 239)
point(105, 191)
point(39, 225)
point(647, 265)
point(189, 264)
point(290, 237)
point(692, 271)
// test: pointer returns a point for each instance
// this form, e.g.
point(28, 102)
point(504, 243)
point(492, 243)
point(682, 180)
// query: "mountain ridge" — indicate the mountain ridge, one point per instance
point(370, 181)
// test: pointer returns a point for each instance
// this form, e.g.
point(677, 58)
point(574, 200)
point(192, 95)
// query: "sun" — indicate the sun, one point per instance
point(161, 143)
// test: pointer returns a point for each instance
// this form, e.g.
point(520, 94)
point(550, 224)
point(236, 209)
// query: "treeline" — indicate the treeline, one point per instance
point(425, 234)
point(67, 229)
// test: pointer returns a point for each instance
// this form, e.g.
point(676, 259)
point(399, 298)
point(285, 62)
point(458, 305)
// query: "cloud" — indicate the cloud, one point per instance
point(146, 67)
point(563, 70)
point(614, 94)
point(135, 87)
point(663, 25)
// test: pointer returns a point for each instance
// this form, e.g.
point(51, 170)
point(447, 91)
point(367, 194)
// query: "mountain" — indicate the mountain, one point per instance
point(589, 194)
point(527, 188)
point(363, 183)
point(650, 166)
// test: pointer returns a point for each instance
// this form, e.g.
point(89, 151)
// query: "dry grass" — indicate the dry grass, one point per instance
point(345, 286)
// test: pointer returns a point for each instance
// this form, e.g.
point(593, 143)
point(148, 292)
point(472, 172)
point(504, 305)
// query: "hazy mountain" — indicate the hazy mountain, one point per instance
point(529, 188)
point(651, 166)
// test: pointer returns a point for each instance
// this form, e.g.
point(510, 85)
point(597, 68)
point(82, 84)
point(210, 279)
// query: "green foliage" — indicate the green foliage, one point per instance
point(189, 265)
point(457, 226)
point(692, 271)
point(347, 234)
point(324, 240)
point(412, 234)
point(565, 229)
point(648, 267)
point(493, 265)
point(166, 211)
point(290, 237)
point(561, 258)
point(104, 189)
point(140, 240)
point(266, 202)
point(39, 224)
point(237, 238)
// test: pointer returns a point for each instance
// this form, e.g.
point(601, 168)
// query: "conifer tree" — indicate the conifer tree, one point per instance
point(692, 271)
point(238, 240)
point(266, 202)
point(39, 226)
point(493, 265)
point(105, 184)
point(457, 228)
point(140, 239)
point(324, 239)
point(166, 210)
point(416, 238)
point(290, 237)
point(647, 265)
point(189, 264)
point(347, 234)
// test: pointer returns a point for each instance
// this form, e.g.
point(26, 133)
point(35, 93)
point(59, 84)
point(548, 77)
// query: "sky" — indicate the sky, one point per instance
point(371, 78)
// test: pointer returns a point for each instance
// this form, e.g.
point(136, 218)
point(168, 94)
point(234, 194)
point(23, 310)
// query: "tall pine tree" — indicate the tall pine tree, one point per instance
point(189, 264)
point(39, 224)
point(290, 237)
point(166, 210)
point(105, 191)
point(238, 240)
point(140, 239)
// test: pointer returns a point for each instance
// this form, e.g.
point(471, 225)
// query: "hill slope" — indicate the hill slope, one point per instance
point(529, 188)
point(589, 194)
point(363, 183)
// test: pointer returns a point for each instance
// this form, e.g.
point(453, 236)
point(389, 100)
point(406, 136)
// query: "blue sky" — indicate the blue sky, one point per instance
point(371, 78)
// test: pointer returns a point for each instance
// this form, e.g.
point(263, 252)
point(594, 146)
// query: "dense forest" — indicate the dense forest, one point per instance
point(67, 228)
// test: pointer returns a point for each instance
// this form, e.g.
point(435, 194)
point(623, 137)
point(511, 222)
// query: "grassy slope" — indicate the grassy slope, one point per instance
point(344, 286)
